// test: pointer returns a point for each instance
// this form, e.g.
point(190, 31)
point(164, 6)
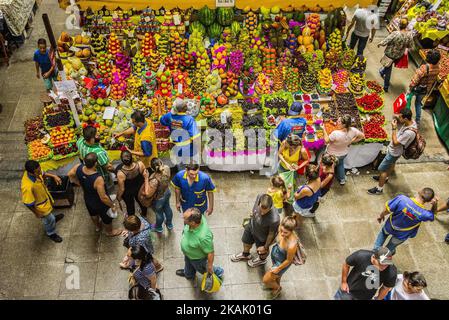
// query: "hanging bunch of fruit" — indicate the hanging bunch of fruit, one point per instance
point(291, 79)
point(199, 84)
point(292, 43)
point(203, 64)
point(215, 30)
point(278, 79)
point(154, 60)
point(335, 41)
point(332, 60)
point(177, 44)
point(220, 57)
point(324, 80)
point(123, 63)
point(340, 80)
point(250, 23)
point(348, 59)
point(269, 60)
point(139, 64)
point(163, 45)
point(98, 43)
point(285, 60)
point(315, 60)
point(104, 65)
point(195, 42)
point(235, 32)
point(118, 88)
point(359, 65)
point(150, 82)
point(213, 81)
point(229, 82)
point(263, 84)
point(244, 42)
point(357, 83)
point(253, 61)
point(133, 86)
point(164, 79)
point(148, 44)
point(308, 82)
point(236, 60)
point(114, 45)
point(313, 22)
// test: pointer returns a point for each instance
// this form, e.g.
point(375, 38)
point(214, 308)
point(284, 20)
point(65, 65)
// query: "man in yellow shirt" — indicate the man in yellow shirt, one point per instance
point(37, 198)
point(145, 147)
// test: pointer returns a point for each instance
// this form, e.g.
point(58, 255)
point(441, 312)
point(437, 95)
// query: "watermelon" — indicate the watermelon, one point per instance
point(215, 30)
point(235, 28)
point(196, 25)
point(225, 16)
point(206, 16)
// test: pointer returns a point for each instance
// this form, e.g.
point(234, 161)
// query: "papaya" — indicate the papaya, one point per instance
point(307, 40)
point(301, 40)
point(316, 45)
point(306, 31)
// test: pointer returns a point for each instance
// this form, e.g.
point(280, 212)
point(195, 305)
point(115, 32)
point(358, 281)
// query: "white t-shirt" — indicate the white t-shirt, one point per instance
point(398, 292)
point(340, 141)
point(365, 20)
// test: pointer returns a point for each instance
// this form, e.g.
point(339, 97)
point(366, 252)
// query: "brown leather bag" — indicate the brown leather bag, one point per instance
point(148, 201)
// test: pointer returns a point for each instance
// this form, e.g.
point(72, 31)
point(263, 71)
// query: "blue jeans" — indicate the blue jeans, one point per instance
point(340, 169)
point(362, 43)
point(163, 212)
point(191, 267)
point(418, 106)
point(386, 72)
point(391, 245)
point(49, 223)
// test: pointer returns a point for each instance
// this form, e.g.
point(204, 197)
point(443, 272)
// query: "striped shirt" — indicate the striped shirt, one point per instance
point(422, 78)
point(102, 155)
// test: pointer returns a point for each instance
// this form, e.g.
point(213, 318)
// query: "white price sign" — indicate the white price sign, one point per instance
point(224, 3)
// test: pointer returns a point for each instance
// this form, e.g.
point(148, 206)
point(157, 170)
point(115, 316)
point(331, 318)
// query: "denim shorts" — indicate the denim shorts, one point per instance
point(387, 162)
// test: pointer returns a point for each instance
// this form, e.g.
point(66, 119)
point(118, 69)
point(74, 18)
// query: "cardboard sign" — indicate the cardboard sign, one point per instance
point(180, 88)
point(65, 86)
point(161, 68)
point(233, 101)
point(177, 19)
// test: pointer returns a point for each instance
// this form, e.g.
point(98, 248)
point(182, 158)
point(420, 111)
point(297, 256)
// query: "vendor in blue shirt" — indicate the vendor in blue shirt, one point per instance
point(194, 189)
point(45, 61)
point(294, 123)
point(405, 217)
point(185, 134)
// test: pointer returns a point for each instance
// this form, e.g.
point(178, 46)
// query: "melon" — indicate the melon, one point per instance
point(206, 16)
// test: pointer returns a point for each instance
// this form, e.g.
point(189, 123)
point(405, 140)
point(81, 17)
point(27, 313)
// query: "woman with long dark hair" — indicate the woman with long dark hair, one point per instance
point(145, 272)
point(130, 177)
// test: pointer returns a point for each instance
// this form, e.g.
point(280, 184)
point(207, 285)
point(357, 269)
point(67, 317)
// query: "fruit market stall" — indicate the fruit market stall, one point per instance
point(240, 71)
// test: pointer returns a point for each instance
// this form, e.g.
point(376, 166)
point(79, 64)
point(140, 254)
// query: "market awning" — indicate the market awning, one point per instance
point(169, 4)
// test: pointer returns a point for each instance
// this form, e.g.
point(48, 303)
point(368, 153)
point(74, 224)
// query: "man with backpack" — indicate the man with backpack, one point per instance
point(405, 140)
point(405, 217)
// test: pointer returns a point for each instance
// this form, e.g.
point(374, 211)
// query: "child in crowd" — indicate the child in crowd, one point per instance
point(45, 61)
point(279, 192)
point(327, 172)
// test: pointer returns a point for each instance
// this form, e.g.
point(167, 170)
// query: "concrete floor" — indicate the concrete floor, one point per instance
point(33, 267)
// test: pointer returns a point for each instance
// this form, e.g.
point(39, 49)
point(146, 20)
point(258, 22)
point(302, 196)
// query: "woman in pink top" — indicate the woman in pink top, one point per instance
point(339, 142)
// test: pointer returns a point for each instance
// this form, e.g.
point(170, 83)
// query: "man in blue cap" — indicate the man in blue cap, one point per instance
point(294, 123)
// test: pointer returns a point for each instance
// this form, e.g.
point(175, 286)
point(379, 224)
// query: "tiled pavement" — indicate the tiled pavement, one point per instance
point(34, 268)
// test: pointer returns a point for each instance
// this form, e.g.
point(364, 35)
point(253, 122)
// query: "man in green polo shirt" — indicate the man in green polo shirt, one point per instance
point(88, 143)
point(197, 244)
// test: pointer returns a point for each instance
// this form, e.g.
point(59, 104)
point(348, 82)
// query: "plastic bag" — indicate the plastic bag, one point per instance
point(400, 103)
point(211, 283)
point(402, 63)
point(289, 178)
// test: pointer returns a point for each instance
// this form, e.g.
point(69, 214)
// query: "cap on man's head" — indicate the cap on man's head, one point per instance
point(383, 255)
point(295, 109)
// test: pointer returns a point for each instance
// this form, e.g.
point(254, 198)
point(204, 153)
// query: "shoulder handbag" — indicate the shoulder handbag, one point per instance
point(429, 98)
point(148, 201)
point(300, 256)
point(421, 89)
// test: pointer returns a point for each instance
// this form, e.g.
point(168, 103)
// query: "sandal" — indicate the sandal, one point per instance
point(276, 294)
point(160, 269)
point(115, 233)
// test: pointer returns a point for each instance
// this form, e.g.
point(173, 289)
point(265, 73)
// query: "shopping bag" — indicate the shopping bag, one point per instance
point(211, 283)
point(289, 178)
point(402, 63)
point(400, 103)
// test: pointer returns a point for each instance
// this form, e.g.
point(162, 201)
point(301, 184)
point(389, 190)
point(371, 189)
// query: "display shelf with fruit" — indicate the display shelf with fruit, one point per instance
point(324, 85)
point(62, 135)
point(370, 103)
point(114, 45)
point(208, 105)
point(39, 151)
point(58, 119)
point(34, 129)
point(65, 42)
point(357, 83)
point(291, 79)
point(276, 104)
point(375, 87)
point(308, 82)
point(263, 84)
point(340, 80)
point(64, 151)
point(374, 132)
